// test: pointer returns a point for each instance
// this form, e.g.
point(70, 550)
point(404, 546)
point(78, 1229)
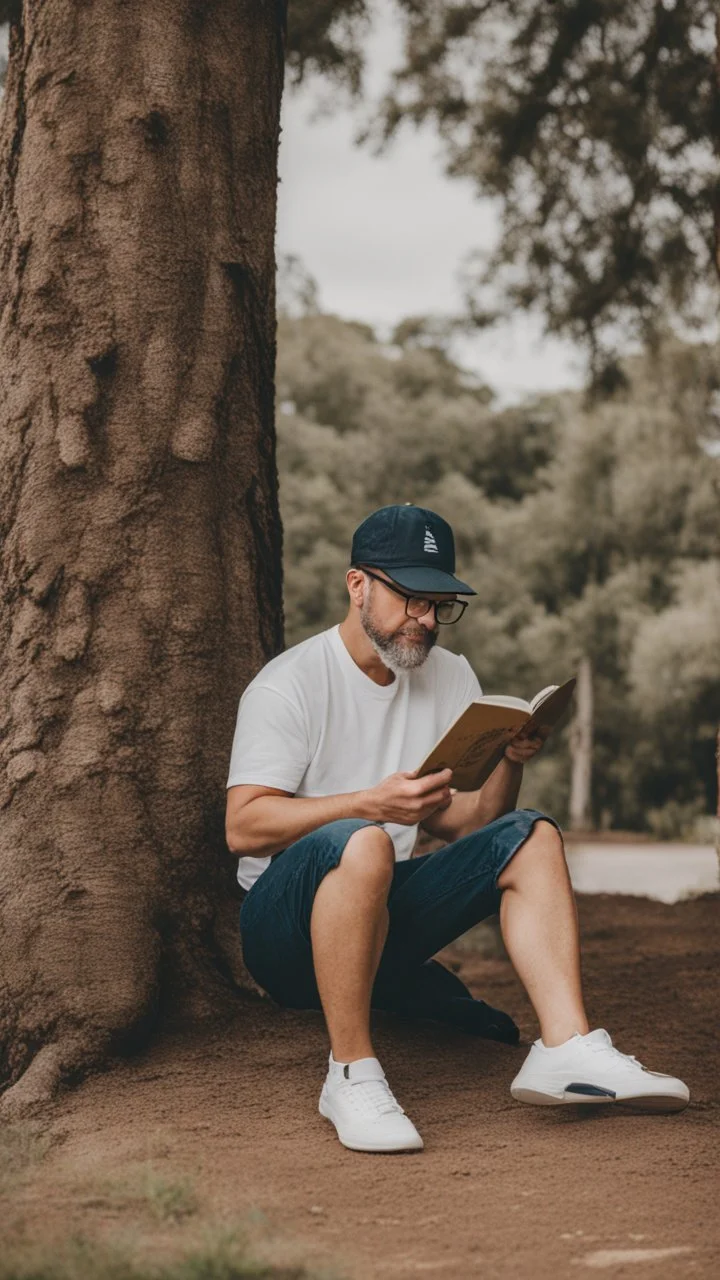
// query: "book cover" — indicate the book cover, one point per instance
point(475, 743)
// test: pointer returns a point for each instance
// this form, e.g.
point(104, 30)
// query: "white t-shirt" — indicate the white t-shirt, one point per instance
point(312, 723)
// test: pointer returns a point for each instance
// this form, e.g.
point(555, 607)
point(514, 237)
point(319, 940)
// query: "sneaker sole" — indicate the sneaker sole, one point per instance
point(644, 1102)
point(657, 1102)
point(374, 1148)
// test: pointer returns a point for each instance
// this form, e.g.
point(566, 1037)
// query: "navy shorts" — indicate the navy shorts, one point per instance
point(432, 900)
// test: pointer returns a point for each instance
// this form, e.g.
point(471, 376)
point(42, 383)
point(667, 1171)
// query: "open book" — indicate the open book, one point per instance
point(475, 743)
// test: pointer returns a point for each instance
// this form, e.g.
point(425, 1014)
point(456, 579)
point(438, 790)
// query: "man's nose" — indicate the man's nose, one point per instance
point(428, 619)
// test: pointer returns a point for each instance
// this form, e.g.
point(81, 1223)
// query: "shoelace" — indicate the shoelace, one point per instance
point(371, 1097)
point(610, 1048)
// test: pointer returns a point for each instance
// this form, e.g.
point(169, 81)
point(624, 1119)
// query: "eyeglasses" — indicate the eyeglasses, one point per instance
point(446, 611)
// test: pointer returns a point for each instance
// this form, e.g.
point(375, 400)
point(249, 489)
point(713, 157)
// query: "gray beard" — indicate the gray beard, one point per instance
point(396, 655)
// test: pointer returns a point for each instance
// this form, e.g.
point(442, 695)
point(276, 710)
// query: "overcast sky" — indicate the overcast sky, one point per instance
point(384, 236)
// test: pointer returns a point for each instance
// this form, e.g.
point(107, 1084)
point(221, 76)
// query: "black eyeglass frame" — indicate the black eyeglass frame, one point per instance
point(408, 597)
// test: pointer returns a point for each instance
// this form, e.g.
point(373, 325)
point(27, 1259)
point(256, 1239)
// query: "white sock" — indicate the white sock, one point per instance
point(334, 1062)
point(549, 1048)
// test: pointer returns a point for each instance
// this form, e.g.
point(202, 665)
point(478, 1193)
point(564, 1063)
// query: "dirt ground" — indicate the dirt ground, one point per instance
point(219, 1127)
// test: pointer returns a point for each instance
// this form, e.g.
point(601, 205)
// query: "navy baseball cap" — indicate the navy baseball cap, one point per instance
point(415, 547)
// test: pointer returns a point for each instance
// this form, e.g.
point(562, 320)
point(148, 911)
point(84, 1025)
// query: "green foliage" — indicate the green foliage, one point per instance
point(586, 530)
point(689, 822)
point(675, 661)
point(594, 125)
point(324, 36)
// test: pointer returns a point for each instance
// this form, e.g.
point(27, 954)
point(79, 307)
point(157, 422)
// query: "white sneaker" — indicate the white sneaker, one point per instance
point(358, 1100)
point(589, 1069)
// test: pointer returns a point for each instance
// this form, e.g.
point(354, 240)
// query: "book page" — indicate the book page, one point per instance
point(540, 697)
point(553, 705)
point(507, 700)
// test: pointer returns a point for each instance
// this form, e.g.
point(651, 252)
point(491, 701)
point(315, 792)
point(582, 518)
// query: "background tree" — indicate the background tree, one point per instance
point(140, 541)
point(675, 681)
point(595, 124)
point(141, 570)
point(583, 527)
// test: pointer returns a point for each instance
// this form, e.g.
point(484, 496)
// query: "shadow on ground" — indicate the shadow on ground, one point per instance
point(211, 1140)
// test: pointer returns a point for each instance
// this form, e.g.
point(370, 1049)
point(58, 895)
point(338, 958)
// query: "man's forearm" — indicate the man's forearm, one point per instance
point(498, 795)
point(270, 823)
point(471, 810)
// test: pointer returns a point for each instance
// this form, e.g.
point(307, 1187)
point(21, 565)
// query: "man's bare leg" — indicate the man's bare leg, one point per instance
point(538, 918)
point(348, 928)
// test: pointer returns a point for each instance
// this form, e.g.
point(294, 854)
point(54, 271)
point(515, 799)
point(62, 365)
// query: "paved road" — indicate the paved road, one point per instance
point(666, 872)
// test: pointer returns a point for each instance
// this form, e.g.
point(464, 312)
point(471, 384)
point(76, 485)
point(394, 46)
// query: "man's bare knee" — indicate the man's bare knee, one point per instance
point(369, 852)
point(547, 832)
point(543, 839)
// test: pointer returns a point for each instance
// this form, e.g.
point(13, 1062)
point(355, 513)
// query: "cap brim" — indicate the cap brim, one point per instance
point(414, 578)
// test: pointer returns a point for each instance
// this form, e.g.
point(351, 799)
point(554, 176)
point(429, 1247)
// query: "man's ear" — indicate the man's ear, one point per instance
point(355, 579)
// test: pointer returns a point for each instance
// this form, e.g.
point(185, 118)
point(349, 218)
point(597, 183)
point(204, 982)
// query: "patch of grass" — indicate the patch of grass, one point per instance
point(22, 1145)
point(146, 1190)
point(166, 1200)
point(226, 1259)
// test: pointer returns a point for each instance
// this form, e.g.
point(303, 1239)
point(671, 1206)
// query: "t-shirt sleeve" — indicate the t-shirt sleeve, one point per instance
point(472, 688)
point(466, 687)
point(271, 743)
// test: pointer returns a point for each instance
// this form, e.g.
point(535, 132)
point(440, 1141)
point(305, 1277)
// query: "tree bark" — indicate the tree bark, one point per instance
point(717, 268)
point(581, 748)
point(139, 525)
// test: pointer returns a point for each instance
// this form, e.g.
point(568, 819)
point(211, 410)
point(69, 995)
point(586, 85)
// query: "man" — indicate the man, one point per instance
point(323, 809)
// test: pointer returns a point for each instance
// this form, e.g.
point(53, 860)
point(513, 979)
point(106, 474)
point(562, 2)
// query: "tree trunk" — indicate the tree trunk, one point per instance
point(141, 544)
point(581, 748)
point(717, 268)
point(718, 801)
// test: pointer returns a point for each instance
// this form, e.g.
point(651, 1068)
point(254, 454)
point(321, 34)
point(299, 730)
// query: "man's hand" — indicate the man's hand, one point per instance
point(522, 748)
point(405, 798)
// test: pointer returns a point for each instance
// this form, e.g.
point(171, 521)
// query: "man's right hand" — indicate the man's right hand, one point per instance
point(406, 799)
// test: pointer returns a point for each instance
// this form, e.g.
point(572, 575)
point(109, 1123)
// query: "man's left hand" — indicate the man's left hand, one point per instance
point(522, 749)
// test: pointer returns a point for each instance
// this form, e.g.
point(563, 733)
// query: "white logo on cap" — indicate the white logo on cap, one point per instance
point(430, 544)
